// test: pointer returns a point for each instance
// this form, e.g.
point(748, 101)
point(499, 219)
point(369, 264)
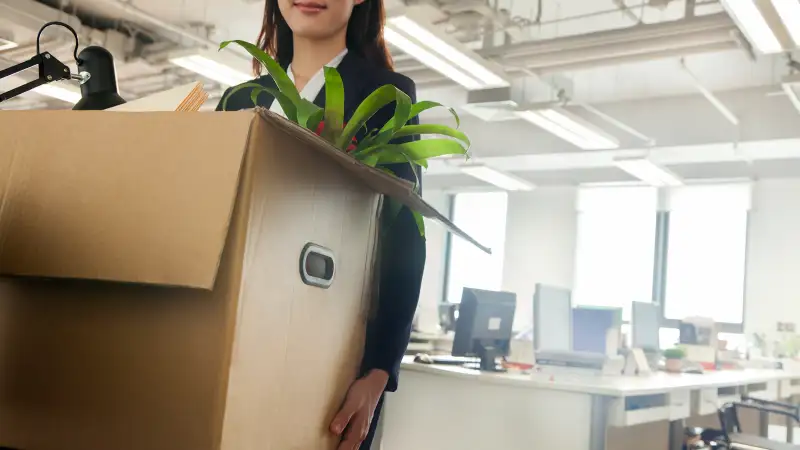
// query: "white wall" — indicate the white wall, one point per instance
point(540, 248)
point(432, 290)
point(773, 266)
point(540, 245)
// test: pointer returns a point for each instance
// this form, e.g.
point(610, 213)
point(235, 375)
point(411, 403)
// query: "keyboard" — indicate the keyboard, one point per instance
point(445, 360)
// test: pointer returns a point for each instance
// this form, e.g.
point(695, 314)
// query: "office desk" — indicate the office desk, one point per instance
point(447, 407)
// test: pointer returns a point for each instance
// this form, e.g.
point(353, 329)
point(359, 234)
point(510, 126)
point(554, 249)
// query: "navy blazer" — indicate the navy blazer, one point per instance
point(403, 254)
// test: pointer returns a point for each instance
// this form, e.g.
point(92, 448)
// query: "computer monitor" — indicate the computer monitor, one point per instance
point(448, 313)
point(645, 326)
point(483, 328)
point(552, 318)
point(596, 329)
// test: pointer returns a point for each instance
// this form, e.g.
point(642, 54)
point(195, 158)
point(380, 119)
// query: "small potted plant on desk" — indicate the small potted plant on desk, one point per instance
point(674, 359)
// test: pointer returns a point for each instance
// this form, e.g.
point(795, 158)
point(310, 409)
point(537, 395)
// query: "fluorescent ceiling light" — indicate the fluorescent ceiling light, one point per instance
point(789, 11)
point(754, 25)
point(497, 178)
point(59, 92)
point(212, 67)
point(6, 44)
point(649, 172)
point(571, 128)
point(451, 59)
point(429, 59)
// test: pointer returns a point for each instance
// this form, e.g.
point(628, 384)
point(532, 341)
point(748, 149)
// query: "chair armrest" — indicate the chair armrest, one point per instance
point(767, 409)
point(770, 403)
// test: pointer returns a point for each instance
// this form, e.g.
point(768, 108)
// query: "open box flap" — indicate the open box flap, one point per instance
point(396, 188)
point(132, 197)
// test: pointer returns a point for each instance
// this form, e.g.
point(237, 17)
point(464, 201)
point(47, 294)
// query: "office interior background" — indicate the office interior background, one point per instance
point(682, 83)
point(687, 85)
point(632, 151)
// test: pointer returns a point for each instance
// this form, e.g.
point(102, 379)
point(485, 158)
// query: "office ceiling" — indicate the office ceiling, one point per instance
point(636, 78)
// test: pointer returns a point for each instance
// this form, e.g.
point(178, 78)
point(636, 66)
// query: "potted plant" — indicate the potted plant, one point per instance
point(674, 359)
point(376, 148)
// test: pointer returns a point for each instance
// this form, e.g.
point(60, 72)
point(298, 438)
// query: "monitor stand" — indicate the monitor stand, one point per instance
point(488, 356)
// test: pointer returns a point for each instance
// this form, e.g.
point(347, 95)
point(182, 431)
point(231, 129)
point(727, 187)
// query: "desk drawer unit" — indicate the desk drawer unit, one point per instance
point(764, 391)
point(706, 401)
point(728, 394)
point(789, 387)
point(680, 405)
point(638, 409)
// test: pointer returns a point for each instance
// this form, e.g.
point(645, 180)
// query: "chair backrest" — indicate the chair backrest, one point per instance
point(729, 420)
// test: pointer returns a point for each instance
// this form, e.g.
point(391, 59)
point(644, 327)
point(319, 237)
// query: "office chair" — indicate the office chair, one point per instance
point(731, 435)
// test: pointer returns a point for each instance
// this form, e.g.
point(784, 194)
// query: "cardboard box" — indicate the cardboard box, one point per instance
point(156, 301)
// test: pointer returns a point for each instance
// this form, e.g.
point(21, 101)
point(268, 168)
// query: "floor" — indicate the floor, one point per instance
point(778, 433)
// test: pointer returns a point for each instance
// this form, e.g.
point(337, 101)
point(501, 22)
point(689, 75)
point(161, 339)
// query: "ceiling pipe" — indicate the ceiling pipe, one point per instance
point(663, 30)
point(714, 31)
point(430, 79)
point(634, 50)
point(144, 16)
point(634, 47)
point(686, 39)
point(716, 102)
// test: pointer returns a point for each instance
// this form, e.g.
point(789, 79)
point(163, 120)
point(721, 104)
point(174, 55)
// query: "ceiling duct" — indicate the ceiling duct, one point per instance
point(493, 105)
point(499, 104)
point(644, 42)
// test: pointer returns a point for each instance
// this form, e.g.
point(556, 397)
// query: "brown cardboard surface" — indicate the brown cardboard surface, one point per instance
point(255, 359)
point(289, 398)
point(136, 197)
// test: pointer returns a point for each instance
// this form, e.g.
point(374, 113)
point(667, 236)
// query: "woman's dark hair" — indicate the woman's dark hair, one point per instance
point(364, 35)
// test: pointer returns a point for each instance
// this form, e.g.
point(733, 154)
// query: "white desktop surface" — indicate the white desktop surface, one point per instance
point(507, 411)
point(611, 386)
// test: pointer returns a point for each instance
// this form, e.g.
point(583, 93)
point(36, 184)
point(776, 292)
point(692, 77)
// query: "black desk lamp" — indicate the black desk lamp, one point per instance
point(96, 74)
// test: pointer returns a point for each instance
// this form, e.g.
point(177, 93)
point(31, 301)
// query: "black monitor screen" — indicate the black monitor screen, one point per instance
point(485, 318)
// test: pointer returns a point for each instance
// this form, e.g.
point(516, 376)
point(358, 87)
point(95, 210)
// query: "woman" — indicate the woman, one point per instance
point(304, 36)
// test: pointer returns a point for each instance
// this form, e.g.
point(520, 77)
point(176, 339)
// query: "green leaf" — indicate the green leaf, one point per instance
point(334, 107)
point(282, 80)
point(417, 151)
point(402, 110)
point(306, 110)
point(286, 104)
point(381, 138)
point(371, 105)
point(443, 130)
point(420, 222)
point(411, 162)
point(236, 89)
point(387, 170)
point(418, 108)
point(372, 160)
point(401, 115)
point(392, 210)
point(314, 120)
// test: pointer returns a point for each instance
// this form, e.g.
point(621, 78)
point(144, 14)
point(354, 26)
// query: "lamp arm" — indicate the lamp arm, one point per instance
point(50, 68)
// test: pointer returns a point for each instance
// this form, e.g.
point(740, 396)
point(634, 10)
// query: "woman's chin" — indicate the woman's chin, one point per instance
point(312, 30)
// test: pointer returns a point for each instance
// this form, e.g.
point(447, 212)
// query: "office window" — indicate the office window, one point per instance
point(482, 215)
point(615, 248)
point(706, 252)
point(669, 337)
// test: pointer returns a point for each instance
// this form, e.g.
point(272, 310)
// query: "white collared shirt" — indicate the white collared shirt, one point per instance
point(314, 85)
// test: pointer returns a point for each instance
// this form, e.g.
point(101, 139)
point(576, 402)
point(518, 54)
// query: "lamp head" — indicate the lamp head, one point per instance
point(100, 90)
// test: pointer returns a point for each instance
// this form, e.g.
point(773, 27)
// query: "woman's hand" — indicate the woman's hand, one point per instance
point(353, 420)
